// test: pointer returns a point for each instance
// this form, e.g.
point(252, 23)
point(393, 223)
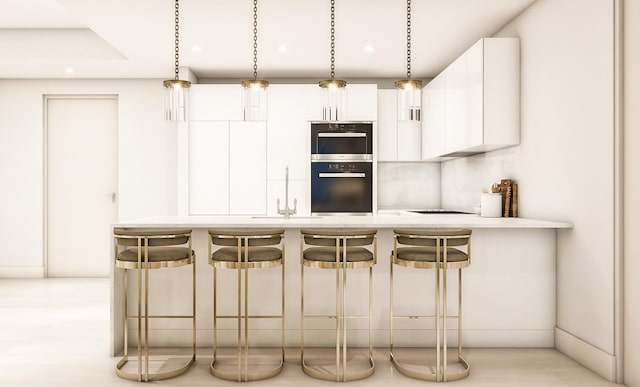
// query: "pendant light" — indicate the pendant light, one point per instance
point(176, 91)
point(254, 91)
point(409, 90)
point(333, 90)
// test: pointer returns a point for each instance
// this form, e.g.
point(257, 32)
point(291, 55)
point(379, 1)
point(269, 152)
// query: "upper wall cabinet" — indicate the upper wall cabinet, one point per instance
point(216, 102)
point(473, 106)
point(397, 141)
point(362, 102)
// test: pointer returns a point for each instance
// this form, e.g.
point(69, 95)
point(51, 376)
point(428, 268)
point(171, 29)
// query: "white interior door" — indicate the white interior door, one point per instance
point(81, 167)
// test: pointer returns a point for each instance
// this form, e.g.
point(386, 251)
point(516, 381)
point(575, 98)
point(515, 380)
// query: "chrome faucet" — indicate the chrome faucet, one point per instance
point(287, 212)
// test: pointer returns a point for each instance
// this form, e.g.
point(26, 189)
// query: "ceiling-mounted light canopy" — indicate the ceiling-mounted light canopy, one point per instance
point(333, 90)
point(409, 90)
point(176, 91)
point(254, 91)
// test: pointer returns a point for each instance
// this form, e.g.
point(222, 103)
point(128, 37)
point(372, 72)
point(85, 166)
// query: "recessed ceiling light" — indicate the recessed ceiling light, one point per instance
point(69, 70)
point(283, 48)
point(196, 49)
point(368, 48)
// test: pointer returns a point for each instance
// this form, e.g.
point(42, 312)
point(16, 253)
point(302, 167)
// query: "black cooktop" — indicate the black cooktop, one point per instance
point(438, 211)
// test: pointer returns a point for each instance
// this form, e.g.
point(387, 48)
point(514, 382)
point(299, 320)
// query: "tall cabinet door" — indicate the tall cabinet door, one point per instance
point(209, 167)
point(247, 167)
point(288, 132)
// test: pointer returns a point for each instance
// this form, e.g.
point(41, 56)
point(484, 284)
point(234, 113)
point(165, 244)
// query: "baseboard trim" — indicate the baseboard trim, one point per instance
point(597, 360)
point(21, 271)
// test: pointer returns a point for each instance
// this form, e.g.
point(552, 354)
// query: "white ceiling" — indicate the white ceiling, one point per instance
point(134, 38)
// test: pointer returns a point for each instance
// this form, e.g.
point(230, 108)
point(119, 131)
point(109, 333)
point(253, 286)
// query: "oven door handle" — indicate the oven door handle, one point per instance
point(342, 174)
point(343, 134)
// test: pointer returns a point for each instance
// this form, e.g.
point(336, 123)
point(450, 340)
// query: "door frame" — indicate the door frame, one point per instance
point(45, 162)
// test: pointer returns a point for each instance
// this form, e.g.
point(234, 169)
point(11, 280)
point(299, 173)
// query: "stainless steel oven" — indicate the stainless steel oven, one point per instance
point(341, 141)
point(341, 168)
point(341, 187)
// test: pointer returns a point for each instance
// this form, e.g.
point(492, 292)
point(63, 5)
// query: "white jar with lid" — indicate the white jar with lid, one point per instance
point(491, 205)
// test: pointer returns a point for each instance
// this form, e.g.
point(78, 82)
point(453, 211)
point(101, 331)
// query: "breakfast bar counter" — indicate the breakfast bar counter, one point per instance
point(509, 289)
point(390, 219)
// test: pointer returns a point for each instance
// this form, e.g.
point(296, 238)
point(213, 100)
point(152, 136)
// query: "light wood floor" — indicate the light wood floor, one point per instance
point(54, 332)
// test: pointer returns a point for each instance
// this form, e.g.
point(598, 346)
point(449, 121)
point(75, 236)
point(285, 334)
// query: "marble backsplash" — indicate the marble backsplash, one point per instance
point(462, 179)
point(406, 185)
point(454, 184)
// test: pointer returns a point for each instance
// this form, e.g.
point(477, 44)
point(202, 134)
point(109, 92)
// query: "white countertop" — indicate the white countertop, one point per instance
point(398, 219)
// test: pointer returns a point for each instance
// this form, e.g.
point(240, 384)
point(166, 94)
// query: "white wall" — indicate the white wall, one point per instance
point(146, 157)
point(631, 192)
point(564, 165)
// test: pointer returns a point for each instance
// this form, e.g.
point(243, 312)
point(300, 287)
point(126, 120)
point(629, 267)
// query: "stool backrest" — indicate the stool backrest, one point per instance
point(431, 237)
point(328, 237)
point(231, 238)
point(156, 237)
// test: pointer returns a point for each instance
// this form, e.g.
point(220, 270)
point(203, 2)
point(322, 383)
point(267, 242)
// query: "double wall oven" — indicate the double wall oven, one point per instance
point(341, 168)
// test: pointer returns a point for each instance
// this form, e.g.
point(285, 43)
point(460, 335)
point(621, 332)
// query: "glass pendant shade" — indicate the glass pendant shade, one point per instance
point(333, 99)
point(254, 100)
point(176, 100)
point(409, 100)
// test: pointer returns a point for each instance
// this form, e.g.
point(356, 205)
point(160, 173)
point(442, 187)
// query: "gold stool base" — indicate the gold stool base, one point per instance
point(321, 369)
point(416, 370)
point(221, 368)
point(168, 367)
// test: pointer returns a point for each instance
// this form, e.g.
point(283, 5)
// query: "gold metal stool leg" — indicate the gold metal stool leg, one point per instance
point(143, 316)
point(242, 316)
point(341, 326)
point(442, 372)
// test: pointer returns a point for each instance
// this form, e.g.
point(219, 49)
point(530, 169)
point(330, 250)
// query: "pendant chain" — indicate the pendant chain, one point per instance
point(255, 39)
point(408, 39)
point(177, 41)
point(333, 39)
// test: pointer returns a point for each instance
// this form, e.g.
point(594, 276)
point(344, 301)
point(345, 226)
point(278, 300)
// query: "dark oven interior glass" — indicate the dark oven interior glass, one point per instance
point(341, 187)
point(354, 139)
point(337, 144)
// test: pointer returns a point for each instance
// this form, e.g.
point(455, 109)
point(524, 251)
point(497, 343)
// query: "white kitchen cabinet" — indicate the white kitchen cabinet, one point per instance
point(313, 102)
point(209, 168)
point(227, 168)
point(211, 102)
point(409, 141)
point(433, 118)
point(455, 136)
point(479, 94)
point(247, 167)
point(397, 141)
point(360, 103)
point(288, 133)
point(387, 125)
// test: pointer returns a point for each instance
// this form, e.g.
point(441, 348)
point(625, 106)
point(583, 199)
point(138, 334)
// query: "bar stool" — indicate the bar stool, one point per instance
point(142, 250)
point(339, 250)
point(244, 250)
point(440, 250)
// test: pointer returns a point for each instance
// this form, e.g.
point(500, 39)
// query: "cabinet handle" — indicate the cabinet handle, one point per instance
point(112, 195)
